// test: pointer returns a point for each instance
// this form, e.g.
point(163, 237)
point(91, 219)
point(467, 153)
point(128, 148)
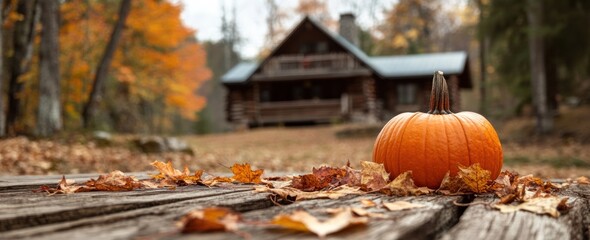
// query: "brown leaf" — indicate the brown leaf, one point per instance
point(583, 180)
point(212, 181)
point(209, 220)
point(403, 185)
point(475, 177)
point(114, 181)
point(305, 222)
point(63, 187)
point(451, 185)
point(293, 193)
point(308, 183)
point(549, 206)
point(244, 174)
point(326, 177)
point(169, 175)
point(373, 175)
point(401, 205)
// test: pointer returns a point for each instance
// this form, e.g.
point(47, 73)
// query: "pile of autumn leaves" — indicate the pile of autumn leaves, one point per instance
point(515, 193)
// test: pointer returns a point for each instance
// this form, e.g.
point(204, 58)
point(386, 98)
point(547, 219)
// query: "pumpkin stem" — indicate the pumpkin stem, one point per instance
point(439, 97)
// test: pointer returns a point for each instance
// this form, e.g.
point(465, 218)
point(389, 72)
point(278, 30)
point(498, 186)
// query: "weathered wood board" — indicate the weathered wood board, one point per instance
point(153, 214)
point(481, 222)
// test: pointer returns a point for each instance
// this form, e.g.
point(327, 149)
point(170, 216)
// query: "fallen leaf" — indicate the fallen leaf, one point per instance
point(451, 185)
point(63, 187)
point(475, 177)
point(549, 206)
point(244, 174)
point(326, 177)
point(403, 185)
point(288, 193)
point(401, 205)
point(373, 175)
point(308, 183)
point(209, 220)
point(583, 180)
point(212, 181)
point(114, 181)
point(368, 203)
point(305, 222)
point(171, 176)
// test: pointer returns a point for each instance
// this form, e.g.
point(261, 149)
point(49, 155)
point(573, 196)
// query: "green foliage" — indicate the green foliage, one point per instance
point(565, 34)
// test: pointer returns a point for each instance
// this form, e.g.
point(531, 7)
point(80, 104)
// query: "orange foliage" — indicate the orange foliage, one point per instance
point(157, 57)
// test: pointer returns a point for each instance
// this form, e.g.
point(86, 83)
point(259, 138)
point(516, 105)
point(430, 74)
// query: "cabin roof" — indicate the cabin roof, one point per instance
point(239, 73)
point(385, 66)
point(419, 64)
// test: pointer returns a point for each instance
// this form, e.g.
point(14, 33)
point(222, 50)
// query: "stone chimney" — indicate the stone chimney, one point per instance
point(348, 28)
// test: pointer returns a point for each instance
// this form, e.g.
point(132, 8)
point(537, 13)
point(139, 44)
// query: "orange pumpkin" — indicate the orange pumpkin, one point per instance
point(434, 143)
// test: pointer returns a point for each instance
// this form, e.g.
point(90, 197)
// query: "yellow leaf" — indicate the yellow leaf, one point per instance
point(403, 185)
point(209, 220)
point(169, 175)
point(244, 174)
point(303, 221)
point(373, 175)
point(475, 177)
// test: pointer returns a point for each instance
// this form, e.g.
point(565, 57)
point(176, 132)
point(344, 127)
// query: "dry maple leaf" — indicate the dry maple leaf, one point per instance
point(114, 181)
point(303, 221)
point(170, 176)
point(63, 187)
point(475, 177)
point(308, 183)
point(451, 185)
point(326, 177)
point(403, 185)
point(244, 174)
point(212, 181)
point(209, 220)
point(550, 206)
point(373, 175)
point(288, 193)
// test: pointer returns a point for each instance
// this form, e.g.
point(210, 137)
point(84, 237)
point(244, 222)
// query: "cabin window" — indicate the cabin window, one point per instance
point(322, 47)
point(406, 93)
point(265, 95)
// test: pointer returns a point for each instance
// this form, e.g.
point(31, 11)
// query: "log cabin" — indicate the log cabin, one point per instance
point(316, 75)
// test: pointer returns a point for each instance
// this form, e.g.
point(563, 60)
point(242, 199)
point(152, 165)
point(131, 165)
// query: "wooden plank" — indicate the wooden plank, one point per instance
point(482, 222)
point(20, 209)
point(424, 223)
point(34, 181)
point(157, 220)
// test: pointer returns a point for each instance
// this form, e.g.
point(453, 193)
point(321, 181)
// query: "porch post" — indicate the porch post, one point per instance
point(369, 95)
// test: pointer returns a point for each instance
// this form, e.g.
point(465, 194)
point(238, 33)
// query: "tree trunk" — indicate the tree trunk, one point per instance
point(2, 116)
point(49, 115)
point(24, 32)
point(537, 60)
point(104, 65)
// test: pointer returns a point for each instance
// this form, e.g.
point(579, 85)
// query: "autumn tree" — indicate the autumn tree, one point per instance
point(49, 116)
point(105, 63)
point(22, 33)
point(317, 9)
point(410, 27)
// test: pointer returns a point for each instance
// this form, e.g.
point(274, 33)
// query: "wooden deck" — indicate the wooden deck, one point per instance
point(152, 214)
